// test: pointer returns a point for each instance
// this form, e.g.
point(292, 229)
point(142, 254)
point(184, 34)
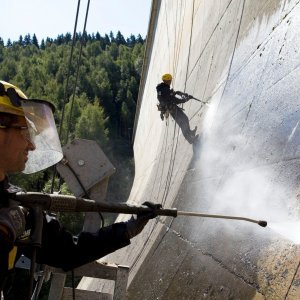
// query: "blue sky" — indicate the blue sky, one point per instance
point(48, 18)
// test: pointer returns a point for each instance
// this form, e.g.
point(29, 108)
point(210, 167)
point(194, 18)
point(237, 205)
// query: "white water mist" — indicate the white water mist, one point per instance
point(238, 183)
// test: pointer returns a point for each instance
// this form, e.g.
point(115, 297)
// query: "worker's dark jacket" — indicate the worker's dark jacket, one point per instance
point(167, 97)
point(58, 248)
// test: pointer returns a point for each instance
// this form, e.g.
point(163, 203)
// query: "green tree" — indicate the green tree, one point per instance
point(27, 40)
point(113, 50)
point(73, 112)
point(8, 44)
point(111, 37)
point(92, 124)
point(120, 40)
point(131, 41)
point(43, 45)
point(21, 42)
point(35, 41)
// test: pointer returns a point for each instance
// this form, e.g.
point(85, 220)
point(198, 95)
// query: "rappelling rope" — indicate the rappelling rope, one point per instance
point(160, 155)
point(188, 61)
point(154, 182)
point(172, 161)
point(171, 165)
point(66, 97)
point(164, 146)
point(174, 151)
point(174, 145)
point(178, 36)
point(77, 70)
point(71, 112)
point(41, 278)
point(166, 18)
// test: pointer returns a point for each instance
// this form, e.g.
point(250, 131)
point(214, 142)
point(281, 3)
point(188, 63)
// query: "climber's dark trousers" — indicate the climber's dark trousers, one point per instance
point(183, 122)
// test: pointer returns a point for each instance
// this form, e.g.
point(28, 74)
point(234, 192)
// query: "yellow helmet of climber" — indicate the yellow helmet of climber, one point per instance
point(37, 117)
point(167, 77)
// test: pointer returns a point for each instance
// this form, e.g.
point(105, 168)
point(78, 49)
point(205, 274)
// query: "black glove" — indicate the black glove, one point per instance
point(187, 97)
point(136, 224)
point(12, 222)
point(153, 206)
point(179, 93)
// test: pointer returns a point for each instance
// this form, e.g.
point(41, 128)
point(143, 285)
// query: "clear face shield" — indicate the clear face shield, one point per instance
point(42, 134)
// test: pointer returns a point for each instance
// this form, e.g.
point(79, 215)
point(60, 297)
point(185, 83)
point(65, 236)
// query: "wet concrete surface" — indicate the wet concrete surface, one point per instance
point(242, 57)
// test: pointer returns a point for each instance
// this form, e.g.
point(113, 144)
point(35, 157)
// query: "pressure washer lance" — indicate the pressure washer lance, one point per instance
point(186, 213)
point(64, 203)
point(203, 102)
point(189, 97)
point(193, 98)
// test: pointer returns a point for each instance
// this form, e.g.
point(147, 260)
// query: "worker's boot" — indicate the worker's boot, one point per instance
point(193, 132)
point(194, 139)
point(193, 136)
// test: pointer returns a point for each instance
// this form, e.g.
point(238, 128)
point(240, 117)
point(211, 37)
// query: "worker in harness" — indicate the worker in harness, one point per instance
point(168, 104)
point(29, 142)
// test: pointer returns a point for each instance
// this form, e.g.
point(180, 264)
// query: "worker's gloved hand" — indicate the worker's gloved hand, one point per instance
point(153, 206)
point(12, 222)
point(136, 224)
point(179, 93)
point(187, 97)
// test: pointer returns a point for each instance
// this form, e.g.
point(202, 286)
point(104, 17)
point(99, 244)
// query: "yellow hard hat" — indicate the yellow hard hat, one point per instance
point(167, 77)
point(10, 99)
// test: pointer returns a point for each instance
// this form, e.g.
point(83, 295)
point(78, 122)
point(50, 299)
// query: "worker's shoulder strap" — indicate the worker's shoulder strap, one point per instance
point(6, 192)
point(13, 189)
point(7, 188)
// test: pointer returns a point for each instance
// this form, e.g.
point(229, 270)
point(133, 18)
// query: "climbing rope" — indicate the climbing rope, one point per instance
point(66, 98)
point(77, 71)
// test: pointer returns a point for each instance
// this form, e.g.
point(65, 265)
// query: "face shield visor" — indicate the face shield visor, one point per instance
point(40, 130)
point(42, 134)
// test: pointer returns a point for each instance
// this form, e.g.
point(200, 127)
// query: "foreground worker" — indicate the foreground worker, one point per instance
point(168, 101)
point(29, 142)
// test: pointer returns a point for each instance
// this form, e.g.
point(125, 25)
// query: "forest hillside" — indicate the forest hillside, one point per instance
point(93, 81)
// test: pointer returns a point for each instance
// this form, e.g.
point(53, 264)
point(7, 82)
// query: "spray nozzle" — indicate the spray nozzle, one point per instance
point(262, 223)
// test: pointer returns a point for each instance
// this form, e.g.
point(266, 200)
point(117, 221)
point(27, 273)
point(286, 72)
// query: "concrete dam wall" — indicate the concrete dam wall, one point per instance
point(242, 57)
